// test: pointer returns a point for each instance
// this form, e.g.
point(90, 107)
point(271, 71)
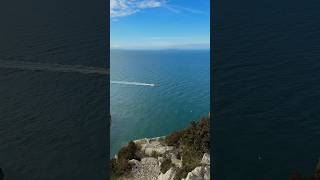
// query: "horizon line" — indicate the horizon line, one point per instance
point(159, 49)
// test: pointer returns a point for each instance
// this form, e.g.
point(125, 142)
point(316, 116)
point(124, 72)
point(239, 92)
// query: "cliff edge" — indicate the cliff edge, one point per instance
point(182, 155)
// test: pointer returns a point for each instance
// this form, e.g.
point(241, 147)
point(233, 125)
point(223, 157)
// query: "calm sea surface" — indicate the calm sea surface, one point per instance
point(181, 93)
point(267, 90)
point(52, 116)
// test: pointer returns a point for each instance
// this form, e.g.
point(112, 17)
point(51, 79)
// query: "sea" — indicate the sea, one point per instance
point(266, 89)
point(156, 92)
point(54, 90)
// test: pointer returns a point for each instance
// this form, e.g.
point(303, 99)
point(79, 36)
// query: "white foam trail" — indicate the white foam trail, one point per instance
point(33, 66)
point(132, 83)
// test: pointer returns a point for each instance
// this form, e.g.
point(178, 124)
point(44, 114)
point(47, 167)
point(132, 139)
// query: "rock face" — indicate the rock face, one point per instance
point(153, 153)
point(176, 162)
point(205, 159)
point(196, 174)
point(201, 172)
point(153, 145)
point(147, 169)
point(169, 175)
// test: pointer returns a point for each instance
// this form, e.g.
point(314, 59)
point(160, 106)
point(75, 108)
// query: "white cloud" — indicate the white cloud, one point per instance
point(179, 9)
point(119, 8)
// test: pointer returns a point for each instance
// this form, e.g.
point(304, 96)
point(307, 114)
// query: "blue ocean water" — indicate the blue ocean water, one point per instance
point(267, 73)
point(181, 92)
point(53, 116)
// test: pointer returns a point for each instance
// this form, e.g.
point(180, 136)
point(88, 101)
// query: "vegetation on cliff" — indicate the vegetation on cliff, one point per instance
point(189, 144)
point(316, 176)
point(121, 165)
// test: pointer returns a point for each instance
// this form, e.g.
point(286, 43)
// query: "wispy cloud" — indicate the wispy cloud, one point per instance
point(119, 8)
point(180, 9)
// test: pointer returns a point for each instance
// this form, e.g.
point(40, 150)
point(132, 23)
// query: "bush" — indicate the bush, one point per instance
point(166, 165)
point(155, 154)
point(181, 173)
point(190, 160)
point(191, 157)
point(174, 138)
point(192, 142)
point(196, 135)
point(129, 152)
point(121, 165)
point(316, 176)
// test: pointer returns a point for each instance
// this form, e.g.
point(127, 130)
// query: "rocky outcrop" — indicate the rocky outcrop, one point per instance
point(153, 146)
point(206, 159)
point(153, 153)
point(147, 168)
point(201, 172)
point(169, 175)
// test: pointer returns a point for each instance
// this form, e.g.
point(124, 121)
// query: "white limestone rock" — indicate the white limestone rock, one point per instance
point(199, 173)
point(205, 159)
point(134, 163)
point(177, 162)
point(169, 175)
point(207, 173)
point(147, 169)
point(149, 146)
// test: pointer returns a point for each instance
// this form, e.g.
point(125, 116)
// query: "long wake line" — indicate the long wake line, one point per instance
point(132, 83)
point(33, 66)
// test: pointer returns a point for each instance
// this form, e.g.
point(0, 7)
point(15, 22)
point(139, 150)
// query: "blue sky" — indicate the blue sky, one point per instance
point(159, 24)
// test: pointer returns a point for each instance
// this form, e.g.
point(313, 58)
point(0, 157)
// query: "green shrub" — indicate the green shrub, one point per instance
point(191, 157)
point(190, 160)
point(192, 143)
point(129, 152)
point(174, 138)
point(179, 155)
point(298, 176)
point(181, 173)
point(166, 165)
point(197, 135)
point(155, 154)
point(121, 165)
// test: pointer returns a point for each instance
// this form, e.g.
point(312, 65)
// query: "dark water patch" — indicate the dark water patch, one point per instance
point(34, 66)
point(267, 92)
point(53, 125)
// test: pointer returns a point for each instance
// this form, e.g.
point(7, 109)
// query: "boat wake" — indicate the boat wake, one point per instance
point(34, 66)
point(132, 83)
